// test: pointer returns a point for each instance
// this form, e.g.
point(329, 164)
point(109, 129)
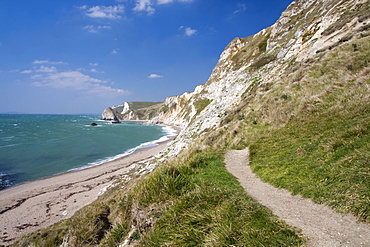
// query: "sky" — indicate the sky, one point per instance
point(81, 56)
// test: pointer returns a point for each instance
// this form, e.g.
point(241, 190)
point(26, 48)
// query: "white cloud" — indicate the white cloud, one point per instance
point(76, 80)
point(47, 62)
point(164, 1)
point(188, 31)
point(147, 5)
point(109, 12)
point(115, 51)
point(241, 8)
point(144, 5)
point(170, 1)
point(95, 29)
point(35, 77)
point(45, 69)
point(151, 76)
point(26, 71)
point(93, 64)
point(96, 71)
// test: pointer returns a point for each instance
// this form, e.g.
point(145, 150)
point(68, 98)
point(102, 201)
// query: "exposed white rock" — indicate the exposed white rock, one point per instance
point(108, 114)
point(126, 108)
point(226, 84)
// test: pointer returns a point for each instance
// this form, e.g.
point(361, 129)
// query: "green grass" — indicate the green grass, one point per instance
point(308, 131)
point(193, 201)
point(312, 135)
point(325, 158)
point(135, 105)
point(201, 104)
point(210, 208)
point(262, 46)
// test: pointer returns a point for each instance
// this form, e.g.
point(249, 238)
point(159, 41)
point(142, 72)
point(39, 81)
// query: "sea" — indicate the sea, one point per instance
point(38, 146)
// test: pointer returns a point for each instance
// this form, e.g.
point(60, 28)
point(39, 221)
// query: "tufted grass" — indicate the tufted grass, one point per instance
point(211, 209)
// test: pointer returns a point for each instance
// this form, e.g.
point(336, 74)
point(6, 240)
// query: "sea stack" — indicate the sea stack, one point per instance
point(109, 114)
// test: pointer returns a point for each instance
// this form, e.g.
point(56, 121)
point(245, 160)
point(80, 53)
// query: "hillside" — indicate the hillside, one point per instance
point(297, 94)
point(133, 111)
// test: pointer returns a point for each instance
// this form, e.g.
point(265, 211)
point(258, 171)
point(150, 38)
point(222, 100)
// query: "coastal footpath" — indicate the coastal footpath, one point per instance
point(296, 94)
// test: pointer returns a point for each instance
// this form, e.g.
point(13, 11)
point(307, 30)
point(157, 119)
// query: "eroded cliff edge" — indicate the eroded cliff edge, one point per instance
point(252, 72)
point(250, 67)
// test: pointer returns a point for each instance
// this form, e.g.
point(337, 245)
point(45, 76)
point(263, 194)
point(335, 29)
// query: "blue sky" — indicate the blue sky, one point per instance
point(81, 56)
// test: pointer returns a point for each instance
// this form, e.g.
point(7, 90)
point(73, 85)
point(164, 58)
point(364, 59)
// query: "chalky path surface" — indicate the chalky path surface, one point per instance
point(320, 224)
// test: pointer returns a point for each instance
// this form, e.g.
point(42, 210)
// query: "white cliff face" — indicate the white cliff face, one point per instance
point(315, 17)
point(108, 114)
point(302, 31)
point(126, 108)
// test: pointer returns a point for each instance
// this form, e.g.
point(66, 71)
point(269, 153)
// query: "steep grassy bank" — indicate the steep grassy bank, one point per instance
point(325, 158)
point(191, 202)
point(309, 132)
point(306, 123)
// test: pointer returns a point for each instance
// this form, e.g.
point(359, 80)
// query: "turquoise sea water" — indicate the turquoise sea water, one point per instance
point(37, 146)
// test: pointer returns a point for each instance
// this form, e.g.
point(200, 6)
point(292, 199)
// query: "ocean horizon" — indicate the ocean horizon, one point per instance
point(36, 146)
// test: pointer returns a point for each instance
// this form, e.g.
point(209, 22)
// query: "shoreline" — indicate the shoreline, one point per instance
point(170, 134)
point(30, 206)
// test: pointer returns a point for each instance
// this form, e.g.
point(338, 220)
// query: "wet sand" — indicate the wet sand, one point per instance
point(31, 206)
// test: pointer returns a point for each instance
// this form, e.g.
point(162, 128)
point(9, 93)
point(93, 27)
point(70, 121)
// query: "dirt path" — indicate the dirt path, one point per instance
point(319, 224)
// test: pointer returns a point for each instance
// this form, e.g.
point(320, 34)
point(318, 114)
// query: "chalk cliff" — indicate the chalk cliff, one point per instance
point(250, 67)
point(297, 94)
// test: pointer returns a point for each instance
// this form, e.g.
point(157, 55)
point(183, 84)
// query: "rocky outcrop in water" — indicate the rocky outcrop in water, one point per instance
point(109, 114)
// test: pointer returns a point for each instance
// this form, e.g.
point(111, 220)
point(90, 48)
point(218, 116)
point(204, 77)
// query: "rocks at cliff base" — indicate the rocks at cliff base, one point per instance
point(111, 115)
point(116, 120)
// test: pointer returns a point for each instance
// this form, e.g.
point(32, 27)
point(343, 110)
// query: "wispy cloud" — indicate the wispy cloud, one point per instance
point(76, 80)
point(170, 1)
point(95, 29)
point(47, 62)
point(241, 7)
point(45, 69)
point(108, 12)
point(188, 31)
point(90, 70)
point(152, 76)
point(96, 71)
point(28, 71)
point(164, 1)
point(115, 51)
point(144, 5)
point(148, 5)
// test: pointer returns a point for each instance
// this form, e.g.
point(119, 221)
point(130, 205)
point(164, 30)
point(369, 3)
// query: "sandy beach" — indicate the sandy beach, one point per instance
point(28, 207)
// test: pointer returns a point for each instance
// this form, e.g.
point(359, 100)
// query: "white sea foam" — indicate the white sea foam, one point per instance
point(4, 182)
point(6, 138)
point(168, 130)
point(8, 146)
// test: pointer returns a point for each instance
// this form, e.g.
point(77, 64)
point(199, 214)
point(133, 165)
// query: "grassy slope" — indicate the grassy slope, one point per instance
point(211, 209)
point(324, 153)
point(310, 132)
point(135, 105)
point(193, 202)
